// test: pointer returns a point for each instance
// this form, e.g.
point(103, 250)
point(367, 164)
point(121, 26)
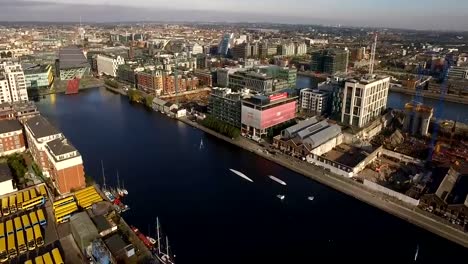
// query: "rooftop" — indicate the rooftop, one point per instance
point(36, 69)
point(60, 146)
point(7, 126)
point(347, 155)
point(40, 127)
point(72, 57)
point(5, 172)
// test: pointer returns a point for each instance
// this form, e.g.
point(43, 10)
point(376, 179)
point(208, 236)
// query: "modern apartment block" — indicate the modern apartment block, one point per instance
point(225, 105)
point(150, 82)
point(330, 61)
point(126, 73)
point(54, 155)
point(12, 83)
point(364, 99)
point(300, 49)
point(313, 101)
point(11, 137)
point(108, 64)
point(287, 49)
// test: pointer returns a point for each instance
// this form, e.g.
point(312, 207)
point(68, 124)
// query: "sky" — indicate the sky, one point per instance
point(412, 14)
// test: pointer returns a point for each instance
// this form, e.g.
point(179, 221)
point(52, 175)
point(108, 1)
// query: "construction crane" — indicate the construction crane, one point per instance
point(372, 58)
point(440, 105)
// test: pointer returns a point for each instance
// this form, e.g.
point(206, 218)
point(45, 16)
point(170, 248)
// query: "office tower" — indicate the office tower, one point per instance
point(225, 44)
point(329, 61)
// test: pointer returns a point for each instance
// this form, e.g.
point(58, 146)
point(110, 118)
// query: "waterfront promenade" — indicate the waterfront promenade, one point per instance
point(349, 187)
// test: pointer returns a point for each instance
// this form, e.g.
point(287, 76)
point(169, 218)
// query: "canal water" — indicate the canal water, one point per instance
point(213, 216)
point(442, 110)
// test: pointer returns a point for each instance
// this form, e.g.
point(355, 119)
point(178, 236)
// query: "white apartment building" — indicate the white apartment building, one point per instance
point(287, 49)
point(313, 101)
point(12, 83)
point(364, 99)
point(108, 65)
point(301, 49)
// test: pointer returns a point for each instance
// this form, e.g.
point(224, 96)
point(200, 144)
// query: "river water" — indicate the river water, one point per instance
point(442, 110)
point(214, 216)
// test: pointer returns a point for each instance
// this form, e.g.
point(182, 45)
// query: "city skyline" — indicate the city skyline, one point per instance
point(414, 15)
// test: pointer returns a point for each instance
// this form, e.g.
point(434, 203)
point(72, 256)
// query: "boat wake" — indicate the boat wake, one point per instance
point(242, 175)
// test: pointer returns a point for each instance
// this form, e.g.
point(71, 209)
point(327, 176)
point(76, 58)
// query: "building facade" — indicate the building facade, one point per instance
point(330, 61)
point(313, 101)
point(364, 100)
point(108, 64)
point(13, 83)
point(40, 77)
point(225, 106)
point(54, 155)
point(301, 49)
point(11, 137)
point(126, 73)
point(150, 82)
point(417, 119)
point(260, 113)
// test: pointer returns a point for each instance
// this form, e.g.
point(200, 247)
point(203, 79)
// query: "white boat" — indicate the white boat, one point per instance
point(310, 198)
point(242, 175)
point(201, 144)
point(277, 180)
point(417, 253)
point(281, 196)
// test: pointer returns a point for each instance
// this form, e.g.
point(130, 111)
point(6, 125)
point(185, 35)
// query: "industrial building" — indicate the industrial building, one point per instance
point(364, 99)
point(309, 137)
point(417, 119)
point(260, 113)
point(330, 61)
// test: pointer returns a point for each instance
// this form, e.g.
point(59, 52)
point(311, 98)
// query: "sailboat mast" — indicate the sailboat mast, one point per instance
point(167, 246)
point(159, 238)
point(118, 181)
point(103, 175)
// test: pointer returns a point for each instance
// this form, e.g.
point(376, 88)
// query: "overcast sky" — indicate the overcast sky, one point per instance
point(417, 14)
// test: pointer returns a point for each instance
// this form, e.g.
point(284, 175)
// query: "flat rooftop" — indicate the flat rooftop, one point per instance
point(40, 127)
point(347, 155)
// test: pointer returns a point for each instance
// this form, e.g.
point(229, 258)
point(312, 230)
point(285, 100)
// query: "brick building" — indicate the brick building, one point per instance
point(149, 82)
point(183, 84)
point(55, 156)
point(11, 137)
point(205, 78)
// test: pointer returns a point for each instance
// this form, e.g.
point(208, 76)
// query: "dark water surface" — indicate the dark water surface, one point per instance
point(214, 216)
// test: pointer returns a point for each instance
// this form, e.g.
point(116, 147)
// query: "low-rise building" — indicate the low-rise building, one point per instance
point(309, 137)
point(39, 77)
point(71, 64)
point(7, 184)
point(11, 137)
point(55, 156)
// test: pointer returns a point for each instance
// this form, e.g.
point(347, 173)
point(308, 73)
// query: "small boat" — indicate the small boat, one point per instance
point(310, 198)
point(151, 240)
point(242, 175)
point(417, 253)
point(123, 188)
point(281, 196)
point(201, 144)
point(277, 180)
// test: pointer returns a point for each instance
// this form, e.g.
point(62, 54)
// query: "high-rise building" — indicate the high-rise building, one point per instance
point(357, 54)
point(225, 105)
point(313, 101)
point(225, 44)
point(286, 49)
point(330, 61)
point(12, 83)
point(364, 100)
point(108, 64)
point(242, 51)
